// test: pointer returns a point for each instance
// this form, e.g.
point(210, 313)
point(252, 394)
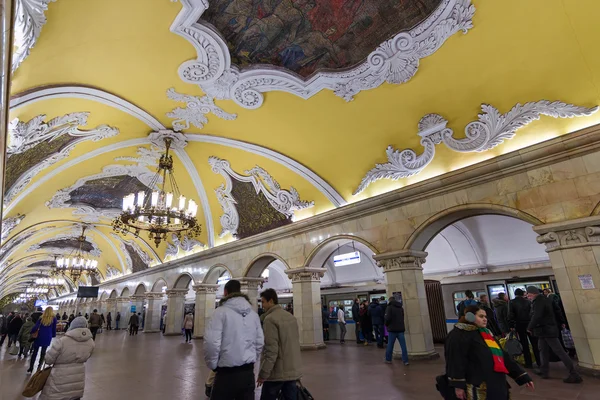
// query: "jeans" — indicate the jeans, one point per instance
point(271, 390)
point(117, 328)
point(392, 336)
point(357, 331)
point(188, 335)
point(234, 383)
point(34, 356)
point(12, 339)
point(24, 349)
point(342, 332)
point(133, 330)
point(553, 343)
point(94, 331)
point(378, 334)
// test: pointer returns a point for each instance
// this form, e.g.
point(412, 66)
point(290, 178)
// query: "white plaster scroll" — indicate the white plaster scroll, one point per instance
point(8, 225)
point(195, 111)
point(28, 23)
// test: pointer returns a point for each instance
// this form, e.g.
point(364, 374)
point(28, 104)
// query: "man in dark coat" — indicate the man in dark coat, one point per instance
point(519, 315)
point(14, 326)
point(377, 320)
point(365, 323)
point(543, 325)
point(501, 308)
point(394, 321)
point(356, 319)
point(36, 315)
point(3, 328)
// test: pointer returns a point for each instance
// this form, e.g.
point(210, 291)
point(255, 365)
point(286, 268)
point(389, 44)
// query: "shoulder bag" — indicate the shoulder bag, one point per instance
point(37, 382)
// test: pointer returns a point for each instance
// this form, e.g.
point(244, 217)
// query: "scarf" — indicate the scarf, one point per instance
point(497, 353)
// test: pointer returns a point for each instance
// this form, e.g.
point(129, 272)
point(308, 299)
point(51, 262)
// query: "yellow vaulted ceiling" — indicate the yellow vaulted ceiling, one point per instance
point(517, 52)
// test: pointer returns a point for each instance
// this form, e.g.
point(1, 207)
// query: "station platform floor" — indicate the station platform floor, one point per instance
point(151, 366)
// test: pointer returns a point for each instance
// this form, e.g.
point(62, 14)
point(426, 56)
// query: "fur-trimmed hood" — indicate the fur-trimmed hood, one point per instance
point(238, 302)
point(465, 327)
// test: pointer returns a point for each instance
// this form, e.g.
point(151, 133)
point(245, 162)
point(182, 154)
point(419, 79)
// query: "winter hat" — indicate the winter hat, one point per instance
point(78, 322)
point(533, 290)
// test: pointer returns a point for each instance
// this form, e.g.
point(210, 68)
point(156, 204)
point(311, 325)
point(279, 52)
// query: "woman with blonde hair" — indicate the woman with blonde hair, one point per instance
point(43, 331)
point(188, 325)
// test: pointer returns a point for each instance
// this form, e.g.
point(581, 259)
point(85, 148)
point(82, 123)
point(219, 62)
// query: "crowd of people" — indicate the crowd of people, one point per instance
point(476, 364)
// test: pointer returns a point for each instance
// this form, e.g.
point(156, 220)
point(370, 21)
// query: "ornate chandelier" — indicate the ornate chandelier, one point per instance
point(159, 212)
point(36, 290)
point(23, 298)
point(49, 282)
point(78, 262)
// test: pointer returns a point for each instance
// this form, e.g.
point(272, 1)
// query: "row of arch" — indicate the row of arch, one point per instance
point(319, 254)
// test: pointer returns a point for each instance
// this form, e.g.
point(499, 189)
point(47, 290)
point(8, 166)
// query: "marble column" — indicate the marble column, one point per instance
point(175, 305)
point(124, 307)
point(111, 306)
point(404, 273)
point(137, 300)
point(251, 287)
point(206, 295)
point(306, 289)
point(153, 306)
point(574, 250)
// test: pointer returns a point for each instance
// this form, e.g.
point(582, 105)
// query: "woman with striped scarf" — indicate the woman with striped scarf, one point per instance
point(476, 365)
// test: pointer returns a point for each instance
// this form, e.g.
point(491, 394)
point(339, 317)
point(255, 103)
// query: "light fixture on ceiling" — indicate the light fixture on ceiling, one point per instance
point(159, 212)
point(24, 298)
point(49, 282)
point(36, 290)
point(78, 262)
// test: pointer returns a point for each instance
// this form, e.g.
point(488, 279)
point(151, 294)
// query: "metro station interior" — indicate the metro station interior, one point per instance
point(155, 150)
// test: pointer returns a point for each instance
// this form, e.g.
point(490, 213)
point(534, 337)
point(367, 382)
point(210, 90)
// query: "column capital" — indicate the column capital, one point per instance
point(574, 233)
point(401, 260)
point(251, 283)
point(137, 297)
point(154, 295)
point(176, 292)
point(123, 299)
point(306, 274)
point(111, 300)
point(205, 288)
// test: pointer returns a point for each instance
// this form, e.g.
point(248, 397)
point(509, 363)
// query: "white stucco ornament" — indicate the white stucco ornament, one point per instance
point(29, 20)
point(284, 201)
point(395, 61)
point(9, 224)
point(195, 111)
point(491, 129)
point(23, 136)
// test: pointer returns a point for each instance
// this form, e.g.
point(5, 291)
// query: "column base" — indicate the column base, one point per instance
point(173, 334)
point(317, 346)
point(152, 331)
point(587, 371)
point(433, 355)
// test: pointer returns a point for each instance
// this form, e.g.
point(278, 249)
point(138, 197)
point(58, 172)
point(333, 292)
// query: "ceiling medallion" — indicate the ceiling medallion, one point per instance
point(78, 262)
point(491, 129)
point(154, 211)
point(396, 60)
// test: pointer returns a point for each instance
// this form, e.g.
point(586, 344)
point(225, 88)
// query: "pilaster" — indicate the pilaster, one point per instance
point(175, 306)
point(306, 283)
point(251, 287)
point(154, 303)
point(206, 295)
point(404, 273)
point(574, 250)
point(123, 306)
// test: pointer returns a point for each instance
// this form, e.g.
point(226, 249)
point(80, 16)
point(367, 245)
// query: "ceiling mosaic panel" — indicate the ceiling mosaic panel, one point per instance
point(105, 193)
point(137, 264)
point(42, 264)
point(66, 244)
point(305, 36)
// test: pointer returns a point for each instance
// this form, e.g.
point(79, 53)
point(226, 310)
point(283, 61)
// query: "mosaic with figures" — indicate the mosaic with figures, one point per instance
point(137, 264)
point(305, 36)
point(70, 243)
point(18, 164)
point(106, 193)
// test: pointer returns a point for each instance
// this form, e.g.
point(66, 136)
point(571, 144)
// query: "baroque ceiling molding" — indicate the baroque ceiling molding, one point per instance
point(26, 135)
point(491, 129)
point(129, 262)
point(186, 245)
point(111, 273)
point(146, 159)
point(111, 100)
point(394, 61)
point(195, 111)
point(8, 225)
point(29, 20)
point(284, 201)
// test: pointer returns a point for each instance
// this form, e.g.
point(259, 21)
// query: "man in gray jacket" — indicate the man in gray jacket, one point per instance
point(233, 342)
point(281, 360)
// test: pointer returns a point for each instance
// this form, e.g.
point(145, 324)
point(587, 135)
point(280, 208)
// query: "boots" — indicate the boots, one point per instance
point(573, 378)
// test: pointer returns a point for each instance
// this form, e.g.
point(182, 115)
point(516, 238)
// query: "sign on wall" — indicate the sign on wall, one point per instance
point(586, 281)
point(346, 259)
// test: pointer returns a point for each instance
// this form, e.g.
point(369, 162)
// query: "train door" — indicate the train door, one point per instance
point(539, 282)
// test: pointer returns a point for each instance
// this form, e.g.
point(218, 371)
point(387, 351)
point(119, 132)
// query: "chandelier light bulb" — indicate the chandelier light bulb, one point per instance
point(140, 199)
point(181, 203)
point(154, 200)
point(168, 200)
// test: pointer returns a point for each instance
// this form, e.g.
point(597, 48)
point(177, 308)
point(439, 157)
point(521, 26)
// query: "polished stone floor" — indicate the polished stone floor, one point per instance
point(150, 366)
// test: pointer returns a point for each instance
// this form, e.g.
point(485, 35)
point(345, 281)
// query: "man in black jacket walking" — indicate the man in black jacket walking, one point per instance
point(356, 319)
point(544, 326)
point(394, 321)
point(519, 317)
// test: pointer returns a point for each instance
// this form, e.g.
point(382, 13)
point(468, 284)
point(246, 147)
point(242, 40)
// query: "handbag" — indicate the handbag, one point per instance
point(14, 350)
point(513, 347)
point(37, 382)
point(303, 393)
point(442, 386)
point(567, 339)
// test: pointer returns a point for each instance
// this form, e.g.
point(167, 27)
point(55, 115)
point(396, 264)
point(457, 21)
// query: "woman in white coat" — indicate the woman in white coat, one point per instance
point(68, 355)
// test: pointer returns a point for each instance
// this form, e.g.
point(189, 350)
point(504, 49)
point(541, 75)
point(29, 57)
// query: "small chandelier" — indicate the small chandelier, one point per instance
point(78, 262)
point(159, 212)
point(23, 298)
point(36, 290)
point(49, 282)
